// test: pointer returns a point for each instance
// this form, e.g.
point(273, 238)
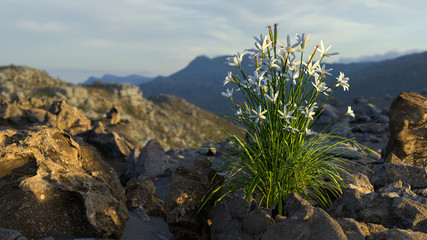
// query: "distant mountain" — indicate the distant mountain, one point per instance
point(201, 82)
point(379, 57)
point(108, 78)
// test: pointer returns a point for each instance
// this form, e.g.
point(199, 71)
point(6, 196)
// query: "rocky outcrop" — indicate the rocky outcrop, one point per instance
point(67, 117)
point(408, 130)
point(53, 186)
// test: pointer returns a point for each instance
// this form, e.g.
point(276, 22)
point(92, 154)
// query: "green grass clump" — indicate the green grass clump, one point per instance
point(280, 154)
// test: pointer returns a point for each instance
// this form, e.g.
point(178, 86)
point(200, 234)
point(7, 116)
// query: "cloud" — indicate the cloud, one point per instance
point(35, 26)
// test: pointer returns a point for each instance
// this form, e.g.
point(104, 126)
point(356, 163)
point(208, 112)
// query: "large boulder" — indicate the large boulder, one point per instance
point(408, 141)
point(52, 186)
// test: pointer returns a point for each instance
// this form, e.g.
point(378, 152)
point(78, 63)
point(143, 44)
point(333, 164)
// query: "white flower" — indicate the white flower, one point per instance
point(272, 96)
point(312, 68)
point(228, 94)
point(343, 81)
point(322, 70)
point(258, 77)
point(260, 45)
point(304, 40)
point(323, 52)
point(239, 112)
point(290, 129)
point(286, 114)
point(309, 112)
point(309, 131)
point(292, 75)
point(228, 78)
point(272, 63)
point(320, 86)
point(350, 112)
point(236, 60)
point(258, 115)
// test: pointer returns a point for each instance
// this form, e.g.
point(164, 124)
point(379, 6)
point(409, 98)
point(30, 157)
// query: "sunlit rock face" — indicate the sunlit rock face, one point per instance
point(408, 130)
point(52, 186)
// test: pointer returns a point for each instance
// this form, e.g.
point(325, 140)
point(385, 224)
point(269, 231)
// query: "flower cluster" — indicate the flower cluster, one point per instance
point(280, 82)
point(282, 98)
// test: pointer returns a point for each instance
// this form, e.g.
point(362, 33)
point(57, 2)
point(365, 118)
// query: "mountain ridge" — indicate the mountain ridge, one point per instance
point(201, 81)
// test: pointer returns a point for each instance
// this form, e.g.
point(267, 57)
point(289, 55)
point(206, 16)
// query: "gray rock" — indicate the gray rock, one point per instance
point(353, 229)
point(304, 222)
point(152, 161)
point(9, 234)
point(227, 216)
point(387, 209)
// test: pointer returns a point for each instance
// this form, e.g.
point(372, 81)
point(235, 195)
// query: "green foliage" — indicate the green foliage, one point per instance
point(280, 154)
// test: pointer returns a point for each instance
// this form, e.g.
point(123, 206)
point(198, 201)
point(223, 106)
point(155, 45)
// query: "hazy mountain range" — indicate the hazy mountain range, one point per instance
point(201, 82)
point(109, 78)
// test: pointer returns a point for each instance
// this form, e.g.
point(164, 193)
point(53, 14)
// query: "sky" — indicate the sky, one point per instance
point(76, 39)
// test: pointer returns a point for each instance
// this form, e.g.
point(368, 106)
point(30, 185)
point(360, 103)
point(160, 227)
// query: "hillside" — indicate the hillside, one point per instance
point(201, 82)
point(182, 126)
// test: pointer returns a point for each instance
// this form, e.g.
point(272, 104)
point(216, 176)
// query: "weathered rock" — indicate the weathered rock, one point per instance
point(361, 183)
point(257, 221)
point(111, 144)
point(304, 222)
point(8, 234)
point(387, 209)
point(187, 189)
point(141, 192)
point(67, 117)
point(98, 128)
point(353, 229)
point(12, 113)
point(390, 172)
point(36, 115)
point(52, 186)
point(408, 132)
point(113, 116)
point(398, 234)
point(152, 161)
point(403, 190)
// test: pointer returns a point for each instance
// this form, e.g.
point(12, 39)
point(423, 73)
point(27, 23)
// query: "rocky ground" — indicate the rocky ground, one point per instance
point(67, 174)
